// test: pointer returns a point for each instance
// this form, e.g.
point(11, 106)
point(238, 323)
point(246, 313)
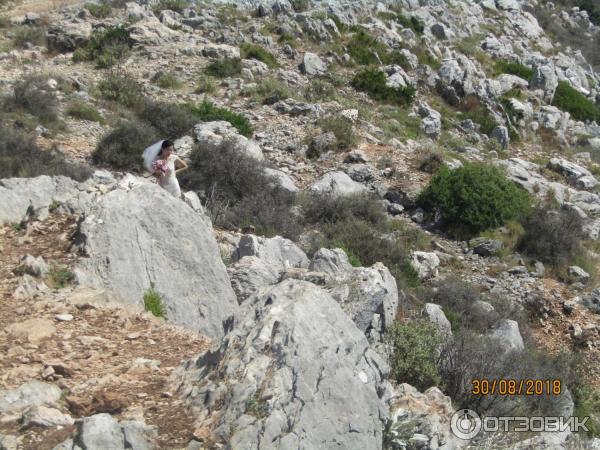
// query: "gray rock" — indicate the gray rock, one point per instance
point(425, 263)
point(283, 180)
point(578, 176)
point(436, 315)
point(249, 274)
point(212, 135)
point(35, 266)
point(277, 252)
point(43, 416)
point(287, 371)
point(322, 143)
point(578, 274)
point(508, 5)
point(508, 337)
point(29, 287)
point(431, 122)
point(100, 431)
point(168, 245)
point(67, 36)
point(219, 51)
point(502, 136)
point(592, 301)
point(139, 436)
point(150, 32)
point(486, 247)
point(337, 184)
point(32, 393)
point(9, 442)
point(17, 195)
point(136, 12)
point(312, 65)
point(331, 261)
point(545, 78)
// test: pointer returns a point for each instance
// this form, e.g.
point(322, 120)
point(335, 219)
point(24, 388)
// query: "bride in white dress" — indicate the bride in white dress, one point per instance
point(168, 181)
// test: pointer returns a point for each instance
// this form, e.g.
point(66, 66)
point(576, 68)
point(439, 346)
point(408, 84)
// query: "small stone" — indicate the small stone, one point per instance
point(64, 317)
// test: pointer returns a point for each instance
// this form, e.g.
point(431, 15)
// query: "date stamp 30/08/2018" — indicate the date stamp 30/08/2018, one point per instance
point(485, 387)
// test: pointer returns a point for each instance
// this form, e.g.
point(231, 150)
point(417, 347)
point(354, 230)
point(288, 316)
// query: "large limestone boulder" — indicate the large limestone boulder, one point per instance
point(213, 134)
point(277, 252)
point(67, 36)
point(312, 65)
point(144, 237)
point(18, 195)
point(297, 373)
point(337, 184)
point(249, 274)
point(32, 393)
point(507, 336)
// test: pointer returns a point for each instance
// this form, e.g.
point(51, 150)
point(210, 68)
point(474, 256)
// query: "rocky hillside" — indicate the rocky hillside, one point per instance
point(385, 201)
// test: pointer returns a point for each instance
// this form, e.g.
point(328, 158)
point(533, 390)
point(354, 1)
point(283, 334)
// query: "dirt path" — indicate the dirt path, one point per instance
point(108, 358)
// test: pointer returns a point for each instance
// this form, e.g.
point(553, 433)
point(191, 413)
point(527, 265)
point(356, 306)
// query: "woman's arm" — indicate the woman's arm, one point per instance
point(182, 165)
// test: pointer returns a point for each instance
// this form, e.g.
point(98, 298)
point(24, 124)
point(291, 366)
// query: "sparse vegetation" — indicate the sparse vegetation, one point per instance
point(574, 102)
point(29, 34)
point(301, 5)
point(121, 89)
point(513, 68)
point(223, 68)
point(171, 120)
point(253, 51)
point(167, 80)
point(207, 112)
point(153, 303)
point(60, 277)
point(21, 157)
point(99, 10)
point(205, 85)
point(121, 147)
point(106, 47)
point(473, 109)
point(342, 128)
point(171, 5)
point(35, 95)
point(373, 81)
point(474, 198)
point(414, 358)
point(81, 110)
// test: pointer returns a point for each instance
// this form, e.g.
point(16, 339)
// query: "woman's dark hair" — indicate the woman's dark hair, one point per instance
point(166, 144)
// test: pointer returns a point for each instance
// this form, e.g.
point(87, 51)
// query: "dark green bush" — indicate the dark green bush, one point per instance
point(474, 198)
point(99, 10)
point(21, 157)
point(171, 120)
point(342, 128)
point(414, 357)
point(551, 236)
point(106, 47)
point(121, 89)
point(223, 68)
point(575, 103)
point(122, 147)
point(253, 51)
point(208, 112)
point(34, 95)
point(373, 82)
point(513, 68)
point(81, 110)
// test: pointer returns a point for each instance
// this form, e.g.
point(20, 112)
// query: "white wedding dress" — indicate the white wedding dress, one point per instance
point(169, 180)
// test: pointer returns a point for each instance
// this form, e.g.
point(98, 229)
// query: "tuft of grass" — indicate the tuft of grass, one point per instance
point(223, 68)
point(343, 130)
point(513, 68)
point(60, 277)
point(121, 89)
point(153, 303)
point(172, 5)
point(99, 10)
point(373, 82)
point(168, 81)
point(28, 34)
point(81, 110)
point(205, 85)
point(208, 112)
point(253, 51)
point(106, 46)
point(256, 407)
point(575, 103)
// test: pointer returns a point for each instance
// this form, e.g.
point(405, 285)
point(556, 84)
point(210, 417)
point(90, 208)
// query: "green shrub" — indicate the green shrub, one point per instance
point(172, 5)
point(552, 237)
point(121, 89)
point(301, 5)
point(223, 68)
point(34, 95)
point(28, 34)
point(168, 81)
point(575, 103)
point(474, 198)
point(153, 303)
point(81, 110)
point(99, 10)
point(414, 356)
point(122, 147)
point(205, 85)
point(106, 47)
point(208, 112)
point(373, 82)
point(365, 49)
point(513, 68)
point(253, 51)
point(171, 120)
point(318, 91)
point(321, 209)
point(21, 157)
point(269, 91)
point(343, 130)
point(60, 277)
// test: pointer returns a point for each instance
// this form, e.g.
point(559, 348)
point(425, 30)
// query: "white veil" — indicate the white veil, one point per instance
point(150, 155)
